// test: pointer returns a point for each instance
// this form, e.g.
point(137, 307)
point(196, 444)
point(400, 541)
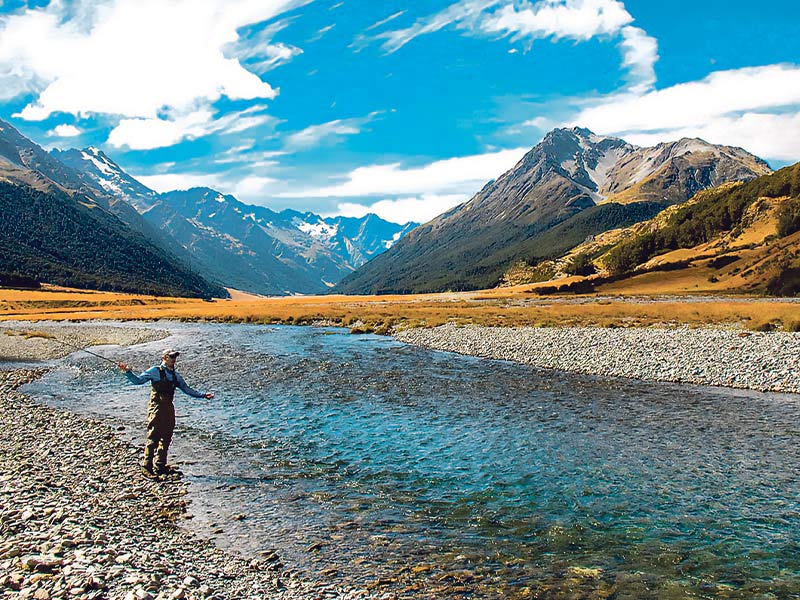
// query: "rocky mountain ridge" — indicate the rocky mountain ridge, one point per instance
point(569, 172)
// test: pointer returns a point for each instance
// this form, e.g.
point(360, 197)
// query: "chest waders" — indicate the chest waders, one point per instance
point(160, 421)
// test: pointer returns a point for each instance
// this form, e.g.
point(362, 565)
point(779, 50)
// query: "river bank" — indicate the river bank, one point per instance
point(78, 519)
point(703, 356)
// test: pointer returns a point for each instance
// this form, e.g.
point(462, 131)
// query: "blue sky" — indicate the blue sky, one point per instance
point(400, 108)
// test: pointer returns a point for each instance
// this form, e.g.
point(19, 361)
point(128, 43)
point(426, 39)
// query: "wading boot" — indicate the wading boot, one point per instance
point(147, 470)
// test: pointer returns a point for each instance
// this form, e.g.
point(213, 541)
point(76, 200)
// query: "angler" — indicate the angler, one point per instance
point(161, 410)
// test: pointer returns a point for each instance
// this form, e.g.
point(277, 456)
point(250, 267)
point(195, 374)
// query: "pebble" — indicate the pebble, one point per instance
point(767, 362)
point(78, 520)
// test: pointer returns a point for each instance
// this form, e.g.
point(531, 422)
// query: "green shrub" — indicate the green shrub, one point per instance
point(581, 265)
point(789, 217)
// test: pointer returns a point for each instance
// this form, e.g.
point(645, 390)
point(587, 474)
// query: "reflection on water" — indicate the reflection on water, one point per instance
point(434, 474)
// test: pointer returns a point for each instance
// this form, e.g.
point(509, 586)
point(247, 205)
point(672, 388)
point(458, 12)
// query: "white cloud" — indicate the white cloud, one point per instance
point(253, 188)
point(168, 182)
point(65, 131)
point(640, 53)
point(463, 175)
point(258, 51)
point(773, 136)
point(694, 103)
point(313, 135)
point(574, 19)
point(134, 58)
point(382, 22)
point(745, 107)
point(144, 134)
point(419, 209)
point(579, 20)
point(460, 12)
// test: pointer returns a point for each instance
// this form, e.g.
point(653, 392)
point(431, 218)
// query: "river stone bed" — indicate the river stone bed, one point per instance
point(23, 341)
point(705, 356)
point(79, 520)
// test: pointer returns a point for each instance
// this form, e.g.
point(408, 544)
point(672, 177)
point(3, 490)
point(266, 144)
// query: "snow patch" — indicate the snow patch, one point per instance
point(317, 230)
point(100, 165)
point(389, 243)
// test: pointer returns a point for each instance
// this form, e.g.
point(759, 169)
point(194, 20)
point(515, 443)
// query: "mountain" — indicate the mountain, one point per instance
point(243, 246)
point(56, 229)
point(569, 172)
point(738, 237)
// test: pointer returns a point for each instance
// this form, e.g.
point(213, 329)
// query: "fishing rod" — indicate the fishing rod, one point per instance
point(49, 336)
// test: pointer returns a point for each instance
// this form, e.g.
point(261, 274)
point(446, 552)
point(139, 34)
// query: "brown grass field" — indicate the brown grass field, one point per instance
point(497, 307)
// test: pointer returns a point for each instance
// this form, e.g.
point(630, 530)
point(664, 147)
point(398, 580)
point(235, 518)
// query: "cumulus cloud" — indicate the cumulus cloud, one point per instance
point(65, 131)
point(315, 134)
point(419, 209)
point(136, 58)
point(755, 107)
point(463, 175)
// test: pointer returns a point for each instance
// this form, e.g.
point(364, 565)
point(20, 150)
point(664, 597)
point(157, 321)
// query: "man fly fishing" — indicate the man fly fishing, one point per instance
point(161, 411)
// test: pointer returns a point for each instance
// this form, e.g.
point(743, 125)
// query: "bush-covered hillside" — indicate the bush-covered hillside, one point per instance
point(719, 211)
point(51, 237)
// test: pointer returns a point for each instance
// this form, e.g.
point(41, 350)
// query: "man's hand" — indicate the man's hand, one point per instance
point(123, 367)
point(208, 395)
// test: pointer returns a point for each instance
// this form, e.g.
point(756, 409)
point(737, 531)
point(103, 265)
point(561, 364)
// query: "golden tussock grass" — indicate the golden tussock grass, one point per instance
point(502, 307)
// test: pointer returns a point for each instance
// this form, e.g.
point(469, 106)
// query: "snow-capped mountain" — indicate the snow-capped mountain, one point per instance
point(104, 172)
point(244, 246)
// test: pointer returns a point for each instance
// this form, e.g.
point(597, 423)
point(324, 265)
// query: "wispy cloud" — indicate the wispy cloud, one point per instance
point(460, 13)
point(134, 59)
point(315, 135)
point(383, 22)
point(144, 134)
point(419, 209)
point(463, 175)
point(257, 50)
point(573, 19)
point(579, 20)
point(640, 54)
point(755, 107)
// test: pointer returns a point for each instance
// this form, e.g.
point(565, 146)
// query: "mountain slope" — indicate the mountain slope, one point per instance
point(738, 237)
point(54, 229)
point(246, 247)
point(570, 171)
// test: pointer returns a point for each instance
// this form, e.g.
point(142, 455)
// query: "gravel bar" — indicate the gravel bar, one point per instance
point(22, 341)
point(768, 362)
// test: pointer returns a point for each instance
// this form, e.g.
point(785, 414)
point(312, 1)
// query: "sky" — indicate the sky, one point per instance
point(400, 108)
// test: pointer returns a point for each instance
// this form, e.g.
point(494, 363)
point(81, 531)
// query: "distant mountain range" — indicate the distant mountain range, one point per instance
point(571, 185)
point(69, 212)
point(242, 246)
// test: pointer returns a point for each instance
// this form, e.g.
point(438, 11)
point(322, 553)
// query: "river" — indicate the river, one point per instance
point(431, 474)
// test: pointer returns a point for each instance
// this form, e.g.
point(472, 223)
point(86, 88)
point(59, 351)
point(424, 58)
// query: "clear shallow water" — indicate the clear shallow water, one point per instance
point(442, 475)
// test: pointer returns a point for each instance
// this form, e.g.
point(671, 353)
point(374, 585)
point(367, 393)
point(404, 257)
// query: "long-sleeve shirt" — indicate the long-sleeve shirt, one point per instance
point(152, 374)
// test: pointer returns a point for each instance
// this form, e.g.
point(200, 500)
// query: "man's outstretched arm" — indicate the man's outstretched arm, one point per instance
point(189, 391)
point(145, 377)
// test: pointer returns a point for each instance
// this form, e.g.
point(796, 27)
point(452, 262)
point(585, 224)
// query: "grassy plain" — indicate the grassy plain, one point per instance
point(497, 307)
